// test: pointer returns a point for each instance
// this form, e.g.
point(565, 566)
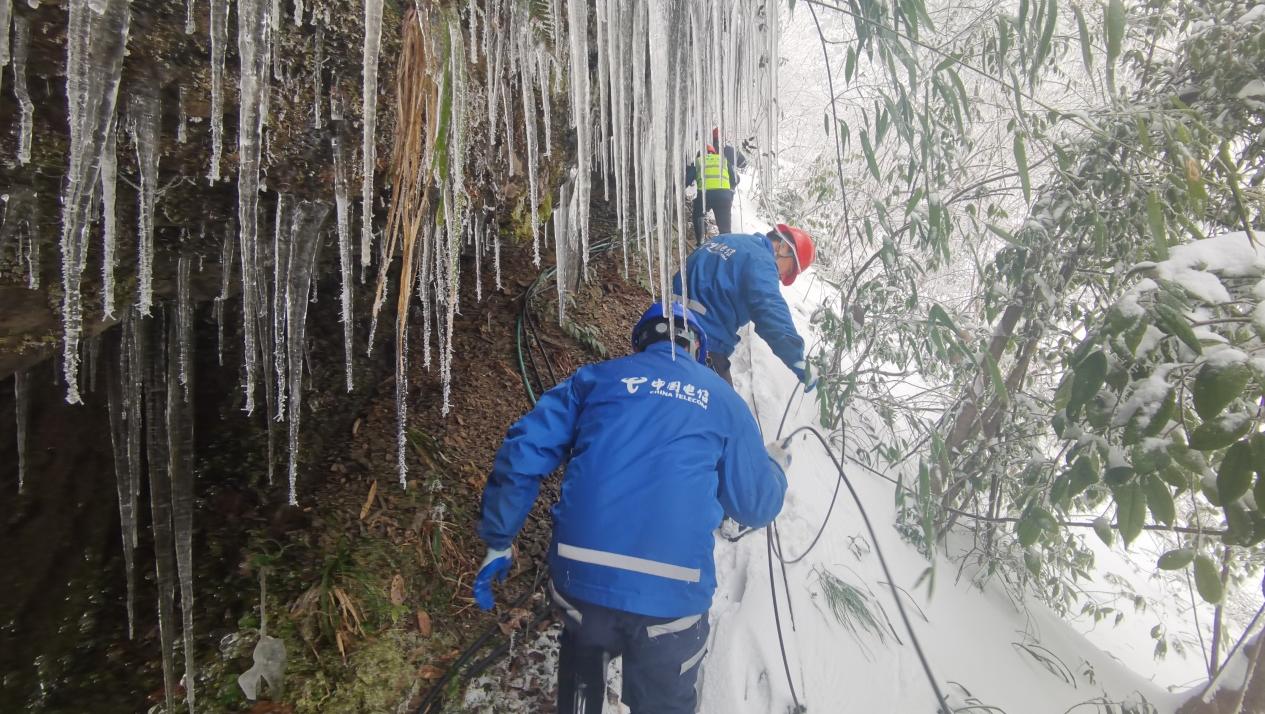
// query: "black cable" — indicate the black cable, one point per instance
point(891, 582)
point(777, 620)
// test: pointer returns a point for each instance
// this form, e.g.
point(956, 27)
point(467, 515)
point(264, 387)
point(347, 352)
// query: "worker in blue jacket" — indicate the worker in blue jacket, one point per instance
point(733, 280)
point(646, 484)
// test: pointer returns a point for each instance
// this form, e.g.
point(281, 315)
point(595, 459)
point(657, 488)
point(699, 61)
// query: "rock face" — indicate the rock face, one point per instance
point(315, 59)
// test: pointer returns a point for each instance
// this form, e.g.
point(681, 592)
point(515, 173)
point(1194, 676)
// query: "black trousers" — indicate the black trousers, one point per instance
point(720, 203)
point(661, 658)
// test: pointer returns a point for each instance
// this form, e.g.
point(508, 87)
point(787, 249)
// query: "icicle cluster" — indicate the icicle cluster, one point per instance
point(96, 41)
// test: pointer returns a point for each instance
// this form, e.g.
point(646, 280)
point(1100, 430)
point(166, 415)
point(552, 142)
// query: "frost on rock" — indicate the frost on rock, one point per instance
point(96, 40)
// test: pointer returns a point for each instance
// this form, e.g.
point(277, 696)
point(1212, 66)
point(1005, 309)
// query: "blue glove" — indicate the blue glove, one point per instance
point(807, 375)
point(496, 565)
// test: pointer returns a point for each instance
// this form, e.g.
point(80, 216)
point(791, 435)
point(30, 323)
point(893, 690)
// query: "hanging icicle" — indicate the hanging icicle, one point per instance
point(342, 203)
point(253, 46)
point(219, 42)
point(306, 233)
point(22, 417)
point(96, 42)
point(21, 48)
point(179, 418)
point(144, 124)
point(118, 396)
point(369, 120)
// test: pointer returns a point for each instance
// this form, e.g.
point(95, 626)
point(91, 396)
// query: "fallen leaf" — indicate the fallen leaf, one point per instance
point(430, 671)
point(355, 427)
point(423, 623)
point(373, 491)
point(397, 589)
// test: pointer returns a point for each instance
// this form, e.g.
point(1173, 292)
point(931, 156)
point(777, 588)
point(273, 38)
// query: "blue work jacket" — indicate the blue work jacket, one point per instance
point(733, 280)
point(660, 449)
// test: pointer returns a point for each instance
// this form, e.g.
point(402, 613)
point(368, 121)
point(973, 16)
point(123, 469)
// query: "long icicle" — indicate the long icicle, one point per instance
point(180, 464)
point(369, 120)
point(94, 64)
point(22, 416)
point(154, 343)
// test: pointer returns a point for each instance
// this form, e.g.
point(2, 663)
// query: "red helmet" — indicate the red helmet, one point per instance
point(711, 149)
point(802, 246)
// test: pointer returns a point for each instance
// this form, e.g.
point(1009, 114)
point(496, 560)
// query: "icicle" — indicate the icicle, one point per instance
point(342, 202)
point(298, 13)
point(180, 467)
point(94, 353)
point(6, 17)
point(281, 245)
point(117, 385)
point(529, 121)
point(21, 47)
point(581, 120)
point(109, 223)
point(305, 237)
point(189, 23)
point(21, 223)
point(417, 267)
point(496, 255)
point(219, 40)
point(96, 40)
point(153, 337)
point(252, 47)
point(318, 64)
point(227, 248)
point(182, 121)
point(369, 118)
point(184, 321)
point(144, 122)
point(22, 416)
point(542, 68)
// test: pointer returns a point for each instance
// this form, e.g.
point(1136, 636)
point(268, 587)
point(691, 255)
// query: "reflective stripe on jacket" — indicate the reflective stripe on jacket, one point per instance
point(660, 449)
point(734, 278)
point(714, 175)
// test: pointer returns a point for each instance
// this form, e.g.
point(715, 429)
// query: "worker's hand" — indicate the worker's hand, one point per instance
point(779, 453)
point(496, 565)
point(807, 375)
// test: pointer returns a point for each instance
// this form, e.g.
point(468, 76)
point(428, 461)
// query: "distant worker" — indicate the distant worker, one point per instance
point(716, 176)
point(647, 482)
point(732, 280)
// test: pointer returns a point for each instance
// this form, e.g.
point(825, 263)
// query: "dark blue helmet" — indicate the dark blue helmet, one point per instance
point(653, 327)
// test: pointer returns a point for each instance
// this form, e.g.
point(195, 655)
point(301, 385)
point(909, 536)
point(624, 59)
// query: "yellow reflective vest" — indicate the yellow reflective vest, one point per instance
point(713, 173)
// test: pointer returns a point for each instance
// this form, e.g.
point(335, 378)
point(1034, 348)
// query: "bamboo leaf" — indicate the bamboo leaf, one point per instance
point(1234, 477)
point(1159, 500)
point(1159, 229)
point(1115, 29)
point(1021, 162)
point(994, 374)
point(869, 154)
point(1216, 386)
point(1103, 528)
point(1090, 374)
point(1082, 28)
point(1175, 323)
point(1208, 580)
point(1176, 559)
point(1130, 511)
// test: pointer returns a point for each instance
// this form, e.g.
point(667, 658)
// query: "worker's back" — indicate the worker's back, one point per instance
point(663, 448)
